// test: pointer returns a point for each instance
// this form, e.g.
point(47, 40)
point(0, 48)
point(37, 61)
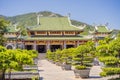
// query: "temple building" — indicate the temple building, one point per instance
point(100, 32)
point(52, 33)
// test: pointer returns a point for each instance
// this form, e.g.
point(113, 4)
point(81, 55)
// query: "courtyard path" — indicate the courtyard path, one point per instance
point(49, 71)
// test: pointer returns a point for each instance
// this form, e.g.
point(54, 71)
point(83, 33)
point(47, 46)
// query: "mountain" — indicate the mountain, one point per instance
point(29, 19)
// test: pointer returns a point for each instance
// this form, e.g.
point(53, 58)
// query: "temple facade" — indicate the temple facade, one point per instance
point(52, 33)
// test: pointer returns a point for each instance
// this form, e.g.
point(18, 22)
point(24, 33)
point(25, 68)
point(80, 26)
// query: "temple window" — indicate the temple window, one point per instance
point(41, 32)
point(69, 33)
point(55, 32)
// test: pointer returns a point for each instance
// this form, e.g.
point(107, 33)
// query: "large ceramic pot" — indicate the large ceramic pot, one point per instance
point(82, 73)
point(66, 66)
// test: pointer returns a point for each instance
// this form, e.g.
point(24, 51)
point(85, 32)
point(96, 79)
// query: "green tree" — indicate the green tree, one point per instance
point(3, 27)
point(23, 30)
point(15, 59)
point(3, 61)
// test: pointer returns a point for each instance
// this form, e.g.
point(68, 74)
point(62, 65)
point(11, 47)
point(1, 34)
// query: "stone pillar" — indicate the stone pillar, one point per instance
point(23, 46)
point(64, 45)
point(15, 46)
point(48, 45)
point(77, 43)
point(34, 45)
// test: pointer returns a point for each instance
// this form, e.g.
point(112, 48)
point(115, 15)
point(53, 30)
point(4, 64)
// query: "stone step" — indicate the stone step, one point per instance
point(41, 56)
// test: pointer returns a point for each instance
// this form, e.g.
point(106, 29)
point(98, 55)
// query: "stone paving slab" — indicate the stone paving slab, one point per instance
point(49, 71)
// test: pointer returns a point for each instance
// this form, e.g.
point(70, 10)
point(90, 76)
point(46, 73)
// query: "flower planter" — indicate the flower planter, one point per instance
point(66, 67)
point(82, 73)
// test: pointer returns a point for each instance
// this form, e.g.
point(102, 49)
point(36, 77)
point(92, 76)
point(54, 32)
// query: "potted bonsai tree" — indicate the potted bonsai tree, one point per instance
point(67, 58)
point(50, 56)
point(83, 59)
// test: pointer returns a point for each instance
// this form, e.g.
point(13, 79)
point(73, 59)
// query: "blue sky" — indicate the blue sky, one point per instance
point(88, 11)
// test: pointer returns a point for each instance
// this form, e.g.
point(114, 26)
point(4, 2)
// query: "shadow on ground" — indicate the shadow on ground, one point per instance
point(94, 77)
point(41, 78)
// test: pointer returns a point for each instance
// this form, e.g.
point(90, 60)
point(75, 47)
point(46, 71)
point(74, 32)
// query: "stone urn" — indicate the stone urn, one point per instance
point(66, 66)
point(84, 73)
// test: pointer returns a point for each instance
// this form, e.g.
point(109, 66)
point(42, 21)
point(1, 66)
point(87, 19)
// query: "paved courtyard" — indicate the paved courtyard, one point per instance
point(49, 71)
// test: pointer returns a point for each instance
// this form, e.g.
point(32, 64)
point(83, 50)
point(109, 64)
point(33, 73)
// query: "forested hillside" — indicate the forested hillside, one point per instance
point(29, 19)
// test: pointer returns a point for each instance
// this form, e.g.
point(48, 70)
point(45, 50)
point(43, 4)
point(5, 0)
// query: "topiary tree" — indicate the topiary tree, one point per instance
point(84, 55)
point(109, 54)
point(67, 55)
point(58, 56)
point(3, 28)
point(50, 55)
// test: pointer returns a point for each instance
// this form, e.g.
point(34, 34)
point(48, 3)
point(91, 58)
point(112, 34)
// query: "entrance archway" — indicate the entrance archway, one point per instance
point(55, 47)
point(69, 46)
point(41, 48)
point(28, 47)
point(9, 47)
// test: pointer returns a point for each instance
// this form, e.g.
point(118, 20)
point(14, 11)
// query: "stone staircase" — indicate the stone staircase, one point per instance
point(41, 56)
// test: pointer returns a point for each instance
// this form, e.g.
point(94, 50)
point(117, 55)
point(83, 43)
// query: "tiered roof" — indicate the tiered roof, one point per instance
point(55, 24)
point(102, 29)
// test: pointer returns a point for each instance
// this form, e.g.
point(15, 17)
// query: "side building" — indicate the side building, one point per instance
point(100, 32)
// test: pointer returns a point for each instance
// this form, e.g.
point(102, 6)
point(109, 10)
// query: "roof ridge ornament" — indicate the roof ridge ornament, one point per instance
point(38, 18)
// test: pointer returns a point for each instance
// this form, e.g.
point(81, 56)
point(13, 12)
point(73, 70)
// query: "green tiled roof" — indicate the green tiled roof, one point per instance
point(56, 38)
point(102, 29)
point(54, 23)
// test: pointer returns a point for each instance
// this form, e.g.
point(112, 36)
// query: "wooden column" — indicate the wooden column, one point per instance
point(77, 43)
